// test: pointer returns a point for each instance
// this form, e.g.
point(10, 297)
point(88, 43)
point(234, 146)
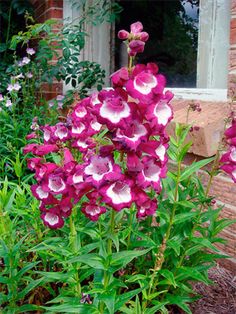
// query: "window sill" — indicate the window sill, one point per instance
point(204, 94)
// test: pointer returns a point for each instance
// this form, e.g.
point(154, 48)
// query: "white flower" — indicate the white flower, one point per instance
point(8, 103)
point(30, 51)
point(25, 60)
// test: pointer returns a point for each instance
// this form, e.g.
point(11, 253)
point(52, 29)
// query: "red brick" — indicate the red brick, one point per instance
point(232, 59)
point(233, 31)
point(233, 7)
point(231, 85)
point(52, 13)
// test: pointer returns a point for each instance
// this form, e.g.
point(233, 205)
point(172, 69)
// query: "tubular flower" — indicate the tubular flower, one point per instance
point(107, 154)
point(229, 158)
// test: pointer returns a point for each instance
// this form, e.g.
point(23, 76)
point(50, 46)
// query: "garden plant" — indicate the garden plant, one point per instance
point(121, 231)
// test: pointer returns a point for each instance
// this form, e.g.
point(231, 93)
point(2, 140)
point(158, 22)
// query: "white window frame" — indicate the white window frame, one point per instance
point(213, 49)
point(212, 58)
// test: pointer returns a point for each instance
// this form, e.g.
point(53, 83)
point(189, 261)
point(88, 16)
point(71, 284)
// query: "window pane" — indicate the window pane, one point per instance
point(173, 29)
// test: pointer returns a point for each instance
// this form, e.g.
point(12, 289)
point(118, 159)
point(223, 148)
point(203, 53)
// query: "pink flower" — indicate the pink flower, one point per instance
point(113, 109)
point(52, 219)
point(118, 194)
point(145, 206)
point(8, 103)
point(151, 174)
point(101, 169)
point(160, 112)
point(120, 77)
point(45, 149)
point(54, 184)
point(132, 136)
point(93, 211)
point(145, 84)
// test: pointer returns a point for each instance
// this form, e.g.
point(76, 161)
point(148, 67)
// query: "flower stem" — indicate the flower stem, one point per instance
point(109, 252)
point(74, 248)
point(160, 255)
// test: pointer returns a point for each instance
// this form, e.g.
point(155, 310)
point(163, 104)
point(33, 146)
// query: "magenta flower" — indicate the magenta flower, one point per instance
point(55, 184)
point(123, 34)
point(108, 155)
point(101, 169)
point(118, 195)
point(132, 136)
point(93, 211)
point(136, 38)
point(151, 174)
point(145, 206)
point(120, 77)
point(160, 112)
point(113, 109)
point(229, 158)
point(52, 219)
point(146, 85)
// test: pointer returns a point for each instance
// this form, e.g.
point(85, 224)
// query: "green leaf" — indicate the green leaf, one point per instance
point(155, 309)
point(190, 273)
point(109, 299)
point(121, 259)
point(67, 308)
point(125, 297)
point(187, 204)
point(33, 284)
point(180, 218)
point(92, 259)
point(194, 167)
point(169, 276)
point(205, 243)
point(184, 151)
point(138, 309)
point(179, 301)
point(26, 308)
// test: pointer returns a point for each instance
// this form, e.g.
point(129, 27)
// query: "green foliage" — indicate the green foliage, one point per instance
point(120, 264)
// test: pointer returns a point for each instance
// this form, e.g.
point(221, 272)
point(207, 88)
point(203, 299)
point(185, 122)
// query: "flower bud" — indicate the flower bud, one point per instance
point(137, 46)
point(144, 36)
point(136, 27)
point(122, 34)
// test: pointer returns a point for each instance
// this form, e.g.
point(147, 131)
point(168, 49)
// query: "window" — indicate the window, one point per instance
point(189, 39)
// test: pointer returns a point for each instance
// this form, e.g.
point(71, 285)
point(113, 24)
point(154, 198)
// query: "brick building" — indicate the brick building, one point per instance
point(216, 83)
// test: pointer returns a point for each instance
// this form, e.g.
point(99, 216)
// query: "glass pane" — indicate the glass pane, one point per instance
point(173, 29)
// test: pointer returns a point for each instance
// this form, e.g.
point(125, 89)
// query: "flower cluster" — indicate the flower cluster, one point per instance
point(112, 148)
point(136, 38)
point(229, 158)
point(17, 81)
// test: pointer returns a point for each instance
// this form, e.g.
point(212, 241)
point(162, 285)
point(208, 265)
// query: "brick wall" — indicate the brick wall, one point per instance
point(232, 51)
point(44, 10)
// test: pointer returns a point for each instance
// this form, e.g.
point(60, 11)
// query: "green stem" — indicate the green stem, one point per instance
point(109, 252)
point(130, 218)
point(160, 255)
point(130, 63)
point(74, 248)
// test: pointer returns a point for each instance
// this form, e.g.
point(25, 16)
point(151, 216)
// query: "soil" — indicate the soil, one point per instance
point(219, 298)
